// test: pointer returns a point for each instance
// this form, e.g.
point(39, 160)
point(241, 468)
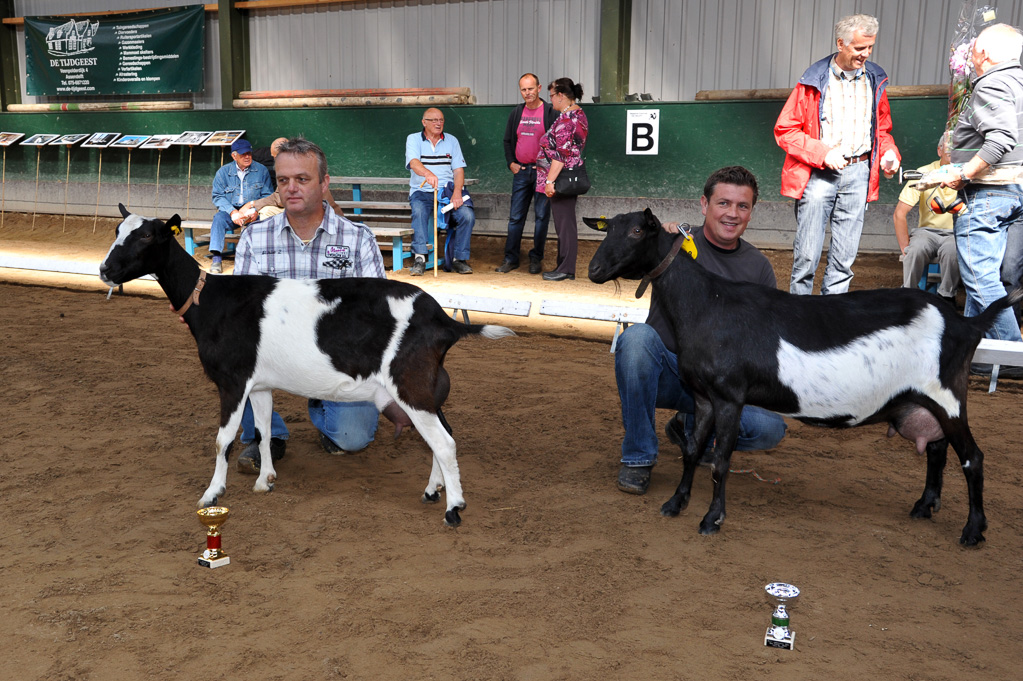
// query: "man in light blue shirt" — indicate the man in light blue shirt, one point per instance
point(235, 184)
point(435, 159)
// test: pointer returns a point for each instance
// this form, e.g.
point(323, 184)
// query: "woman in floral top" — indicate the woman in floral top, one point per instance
point(562, 147)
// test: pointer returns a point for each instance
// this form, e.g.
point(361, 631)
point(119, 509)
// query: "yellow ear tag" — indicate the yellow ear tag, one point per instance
point(176, 230)
point(689, 246)
point(602, 225)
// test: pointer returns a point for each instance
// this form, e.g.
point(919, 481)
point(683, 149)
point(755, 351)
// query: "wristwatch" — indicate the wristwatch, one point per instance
point(962, 175)
point(550, 181)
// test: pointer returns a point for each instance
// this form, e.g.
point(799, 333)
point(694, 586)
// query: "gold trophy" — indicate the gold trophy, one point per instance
point(213, 517)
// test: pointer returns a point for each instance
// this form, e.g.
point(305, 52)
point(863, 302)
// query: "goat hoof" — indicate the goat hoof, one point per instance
point(452, 519)
point(672, 507)
point(428, 498)
point(207, 504)
point(971, 540)
point(924, 508)
point(708, 530)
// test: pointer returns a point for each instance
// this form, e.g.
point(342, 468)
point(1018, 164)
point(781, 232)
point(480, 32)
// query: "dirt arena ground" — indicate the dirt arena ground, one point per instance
point(341, 573)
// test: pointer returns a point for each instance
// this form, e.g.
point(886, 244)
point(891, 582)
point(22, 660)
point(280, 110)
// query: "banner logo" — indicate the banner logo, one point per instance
point(74, 37)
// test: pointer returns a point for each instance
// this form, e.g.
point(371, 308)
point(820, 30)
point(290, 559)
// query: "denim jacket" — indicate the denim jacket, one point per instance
point(227, 189)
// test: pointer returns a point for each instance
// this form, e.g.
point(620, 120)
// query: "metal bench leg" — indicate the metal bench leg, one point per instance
point(189, 241)
point(619, 327)
point(994, 378)
point(397, 254)
point(465, 315)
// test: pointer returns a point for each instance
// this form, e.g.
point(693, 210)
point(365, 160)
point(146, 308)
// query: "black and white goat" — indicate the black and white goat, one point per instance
point(332, 339)
point(900, 356)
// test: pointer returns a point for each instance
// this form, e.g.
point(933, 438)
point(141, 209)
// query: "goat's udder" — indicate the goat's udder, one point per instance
point(398, 417)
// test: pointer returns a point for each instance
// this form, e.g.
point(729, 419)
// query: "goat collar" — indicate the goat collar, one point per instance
point(676, 246)
point(194, 298)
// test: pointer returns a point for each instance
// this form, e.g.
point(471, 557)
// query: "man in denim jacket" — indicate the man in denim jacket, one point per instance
point(235, 184)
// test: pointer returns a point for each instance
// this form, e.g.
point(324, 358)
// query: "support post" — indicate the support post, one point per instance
point(615, 42)
point(234, 52)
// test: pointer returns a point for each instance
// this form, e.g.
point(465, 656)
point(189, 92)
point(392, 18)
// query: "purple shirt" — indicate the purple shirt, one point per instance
point(564, 142)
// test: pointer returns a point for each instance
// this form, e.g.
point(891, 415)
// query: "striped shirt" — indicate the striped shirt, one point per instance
point(441, 159)
point(845, 115)
point(340, 248)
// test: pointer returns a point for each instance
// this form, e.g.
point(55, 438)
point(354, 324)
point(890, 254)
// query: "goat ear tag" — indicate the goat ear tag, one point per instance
point(175, 230)
point(689, 246)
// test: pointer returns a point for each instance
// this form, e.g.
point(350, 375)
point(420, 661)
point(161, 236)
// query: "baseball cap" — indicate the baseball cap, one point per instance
point(241, 146)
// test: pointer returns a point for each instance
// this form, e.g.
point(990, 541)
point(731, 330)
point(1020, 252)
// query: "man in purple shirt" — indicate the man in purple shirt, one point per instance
point(526, 125)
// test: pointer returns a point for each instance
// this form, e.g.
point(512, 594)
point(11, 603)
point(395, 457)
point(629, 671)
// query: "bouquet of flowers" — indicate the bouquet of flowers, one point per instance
point(972, 20)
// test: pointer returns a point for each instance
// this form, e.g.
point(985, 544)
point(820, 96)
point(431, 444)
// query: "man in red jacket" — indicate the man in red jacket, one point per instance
point(835, 129)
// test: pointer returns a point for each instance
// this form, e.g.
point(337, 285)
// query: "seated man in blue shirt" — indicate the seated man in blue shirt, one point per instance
point(235, 184)
point(436, 159)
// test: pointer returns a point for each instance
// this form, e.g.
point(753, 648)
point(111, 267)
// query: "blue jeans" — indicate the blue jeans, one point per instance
point(422, 225)
point(524, 191)
point(350, 425)
point(838, 196)
point(222, 224)
point(981, 231)
point(647, 376)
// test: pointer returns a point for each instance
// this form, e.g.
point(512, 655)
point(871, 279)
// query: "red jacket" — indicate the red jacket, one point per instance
point(798, 129)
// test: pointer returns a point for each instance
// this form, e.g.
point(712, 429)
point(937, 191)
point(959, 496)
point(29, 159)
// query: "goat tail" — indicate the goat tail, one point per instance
point(985, 319)
point(491, 330)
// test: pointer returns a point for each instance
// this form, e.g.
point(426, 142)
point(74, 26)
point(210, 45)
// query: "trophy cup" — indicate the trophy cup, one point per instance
point(778, 634)
point(213, 517)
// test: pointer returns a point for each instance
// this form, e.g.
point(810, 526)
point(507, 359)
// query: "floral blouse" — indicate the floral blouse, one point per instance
point(564, 142)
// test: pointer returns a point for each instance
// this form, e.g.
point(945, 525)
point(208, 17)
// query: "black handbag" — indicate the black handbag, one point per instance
point(572, 181)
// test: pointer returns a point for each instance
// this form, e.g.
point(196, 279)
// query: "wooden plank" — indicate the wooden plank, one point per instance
point(100, 106)
point(326, 102)
point(369, 180)
point(482, 304)
point(377, 205)
point(209, 7)
point(604, 313)
point(783, 93)
point(1001, 352)
point(356, 92)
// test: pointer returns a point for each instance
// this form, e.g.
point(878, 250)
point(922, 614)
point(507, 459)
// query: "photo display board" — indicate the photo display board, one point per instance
point(150, 52)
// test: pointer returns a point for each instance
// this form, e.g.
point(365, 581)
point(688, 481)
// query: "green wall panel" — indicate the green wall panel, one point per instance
point(695, 139)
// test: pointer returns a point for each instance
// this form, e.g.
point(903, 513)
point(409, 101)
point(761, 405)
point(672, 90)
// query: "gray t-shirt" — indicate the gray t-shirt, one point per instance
point(745, 263)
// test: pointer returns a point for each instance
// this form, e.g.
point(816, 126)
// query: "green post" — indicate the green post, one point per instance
point(10, 81)
point(615, 28)
point(234, 52)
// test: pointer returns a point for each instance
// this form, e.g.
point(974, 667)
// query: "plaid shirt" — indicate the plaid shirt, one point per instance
point(340, 248)
point(845, 120)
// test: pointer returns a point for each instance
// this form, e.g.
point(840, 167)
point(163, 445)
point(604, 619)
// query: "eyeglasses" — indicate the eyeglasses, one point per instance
point(434, 120)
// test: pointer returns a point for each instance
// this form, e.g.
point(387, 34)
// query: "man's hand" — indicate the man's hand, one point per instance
point(431, 180)
point(671, 227)
point(946, 176)
point(515, 168)
point(835, 160)
point(456, 200)
point(889, 163)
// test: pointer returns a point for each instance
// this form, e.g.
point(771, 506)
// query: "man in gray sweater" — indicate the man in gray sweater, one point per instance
point(986, 157)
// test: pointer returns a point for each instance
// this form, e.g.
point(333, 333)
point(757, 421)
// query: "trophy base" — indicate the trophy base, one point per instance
point(214, 563)
point(784, 642)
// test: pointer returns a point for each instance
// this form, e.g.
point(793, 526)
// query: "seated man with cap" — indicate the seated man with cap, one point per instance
point(235, 184)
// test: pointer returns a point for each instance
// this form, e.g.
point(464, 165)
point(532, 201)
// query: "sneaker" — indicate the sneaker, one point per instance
point(249, 460)
point(535, 265)
point(216, 267)
point(634, 479)
point(507, 266)
point(460, 267)
point(330, 446)
point(418, 267)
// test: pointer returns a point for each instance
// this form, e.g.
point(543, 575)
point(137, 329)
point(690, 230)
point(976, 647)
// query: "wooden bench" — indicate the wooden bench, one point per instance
point(622, 315)
point(189, 227)
point(998, 353)
point(462, 303)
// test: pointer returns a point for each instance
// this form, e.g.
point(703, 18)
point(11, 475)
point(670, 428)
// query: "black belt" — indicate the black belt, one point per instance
point(865, 156)
point(526, 165)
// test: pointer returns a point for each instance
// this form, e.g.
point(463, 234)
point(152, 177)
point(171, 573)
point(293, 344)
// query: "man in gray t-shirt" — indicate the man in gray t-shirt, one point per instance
point(646, 359)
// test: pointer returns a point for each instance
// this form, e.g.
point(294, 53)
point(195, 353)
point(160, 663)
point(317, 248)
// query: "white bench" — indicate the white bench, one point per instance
point(188, 227)
point(998, 353)
point(622, 315)
point(460, 303)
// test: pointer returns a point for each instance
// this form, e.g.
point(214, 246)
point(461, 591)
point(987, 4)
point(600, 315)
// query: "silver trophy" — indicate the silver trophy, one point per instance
point(778, 634)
